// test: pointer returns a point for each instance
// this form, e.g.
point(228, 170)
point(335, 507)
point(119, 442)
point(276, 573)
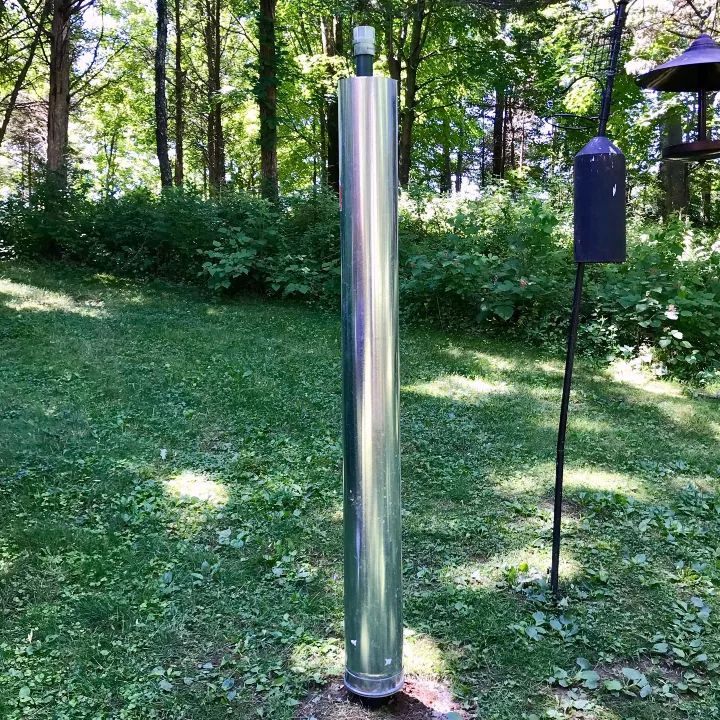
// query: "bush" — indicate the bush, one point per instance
point(137, 234)
point(505, 263)
point(501, 263)
point(665, 301)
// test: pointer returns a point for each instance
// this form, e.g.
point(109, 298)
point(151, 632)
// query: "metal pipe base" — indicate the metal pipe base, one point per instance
point(368, 686)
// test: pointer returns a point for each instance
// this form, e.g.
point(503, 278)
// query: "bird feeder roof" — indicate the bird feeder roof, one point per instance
point(698, 68)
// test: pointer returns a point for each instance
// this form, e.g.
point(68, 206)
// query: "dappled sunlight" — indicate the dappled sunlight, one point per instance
point(422, 656)
point(499, 363)
point(320, 656)
point(595, 480)
point(199, 487)
point(583, 424)
point(551, 367)
point(577, 705)
point(715, 427)
point(681, 414)
point(627, 373)
point(30, 298)
point(326, 656)
point(545, 394)
point(492, 361)
point(530, 561)
point(592, 479)
point(458, 387)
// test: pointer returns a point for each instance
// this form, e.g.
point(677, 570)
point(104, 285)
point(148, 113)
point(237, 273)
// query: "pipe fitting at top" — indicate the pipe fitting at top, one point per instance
point(364, 40)
point(364, 49)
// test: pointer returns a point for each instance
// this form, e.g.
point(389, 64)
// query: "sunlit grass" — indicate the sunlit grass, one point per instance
point(628, 373)
point(189, 485)
point(171, 496)
point(28, 298)
point(457, 387)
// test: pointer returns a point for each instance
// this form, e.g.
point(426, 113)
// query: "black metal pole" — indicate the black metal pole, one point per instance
point(702, 115)
point(564, 406)
point(615, 49)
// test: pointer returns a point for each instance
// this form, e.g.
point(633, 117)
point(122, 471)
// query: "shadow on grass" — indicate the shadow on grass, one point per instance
point(108, 560)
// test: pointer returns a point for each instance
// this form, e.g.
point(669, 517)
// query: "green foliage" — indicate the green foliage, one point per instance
point(665, 300)
point(501, 263)
point(232, 257)
point(138, 233)
point(505, 262)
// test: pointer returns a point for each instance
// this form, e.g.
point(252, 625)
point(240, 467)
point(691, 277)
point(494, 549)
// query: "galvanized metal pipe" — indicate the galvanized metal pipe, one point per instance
point(373, 569)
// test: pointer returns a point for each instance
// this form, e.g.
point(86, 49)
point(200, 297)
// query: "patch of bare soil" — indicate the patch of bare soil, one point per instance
point(420, 700)
point(569, 507)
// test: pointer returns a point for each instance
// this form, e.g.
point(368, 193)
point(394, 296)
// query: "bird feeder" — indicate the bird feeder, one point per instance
point(599, 175)
point(696, 70)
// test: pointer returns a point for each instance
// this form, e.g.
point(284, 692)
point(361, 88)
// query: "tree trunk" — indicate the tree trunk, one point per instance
point(498, 160)
point(459, 161)
point(20, 80)
point(510, 120)
point(59, 94)
point(333, 45)
point(674, 173)
point(446, 172)
point(418, 34)
point(215, 139)
point(179, 100)
point(267, 101)
point(707, 197)
point(161, 112)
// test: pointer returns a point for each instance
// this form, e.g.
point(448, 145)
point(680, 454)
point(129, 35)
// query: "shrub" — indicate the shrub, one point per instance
point(500, 263)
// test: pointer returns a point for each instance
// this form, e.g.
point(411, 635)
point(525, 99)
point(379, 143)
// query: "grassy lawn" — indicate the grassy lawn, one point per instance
point(170, 537)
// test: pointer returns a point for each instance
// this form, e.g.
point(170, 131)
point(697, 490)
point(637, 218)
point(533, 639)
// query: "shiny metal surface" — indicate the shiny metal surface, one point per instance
point(373, 570)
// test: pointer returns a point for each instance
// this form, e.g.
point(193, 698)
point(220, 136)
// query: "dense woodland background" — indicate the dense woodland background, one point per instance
point(198, 139)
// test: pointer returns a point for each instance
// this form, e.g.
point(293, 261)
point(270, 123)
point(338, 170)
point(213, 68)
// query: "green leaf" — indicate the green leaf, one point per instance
point(632, 674)
point(590, 678)
point(504, 312)
point(613, 685)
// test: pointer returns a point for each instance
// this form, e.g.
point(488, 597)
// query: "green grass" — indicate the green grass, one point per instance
point(170, 538)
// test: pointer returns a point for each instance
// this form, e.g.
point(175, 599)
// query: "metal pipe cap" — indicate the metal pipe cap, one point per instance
point(364, 40)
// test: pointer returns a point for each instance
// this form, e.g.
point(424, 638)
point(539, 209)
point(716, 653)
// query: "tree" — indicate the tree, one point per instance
point(674, 174)
point(161, 111)
point(213, 57)
point(332, 33)
point(63, 12)
point(179, 99)
point(266, 93)
point(36, 17)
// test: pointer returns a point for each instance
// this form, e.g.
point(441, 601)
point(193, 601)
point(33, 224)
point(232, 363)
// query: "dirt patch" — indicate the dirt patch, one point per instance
point(658, 669)
point(569, 508)
point(420, 700)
